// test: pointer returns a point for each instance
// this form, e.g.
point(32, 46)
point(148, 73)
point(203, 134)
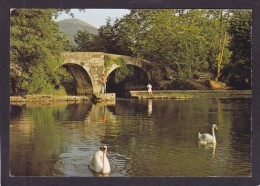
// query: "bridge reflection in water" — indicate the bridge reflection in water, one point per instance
point(144, 137)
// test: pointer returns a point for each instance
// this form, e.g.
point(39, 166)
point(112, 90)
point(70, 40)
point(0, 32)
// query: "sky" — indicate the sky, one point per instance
point(95, 17)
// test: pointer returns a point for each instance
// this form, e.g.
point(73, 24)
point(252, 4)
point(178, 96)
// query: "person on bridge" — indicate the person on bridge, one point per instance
point(103, 81)
point(149, 86)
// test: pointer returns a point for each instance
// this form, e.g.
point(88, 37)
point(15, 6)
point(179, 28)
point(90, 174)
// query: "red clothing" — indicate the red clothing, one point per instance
point(103, 79)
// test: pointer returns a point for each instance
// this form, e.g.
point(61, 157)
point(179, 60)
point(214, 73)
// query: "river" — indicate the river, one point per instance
point(144, 137)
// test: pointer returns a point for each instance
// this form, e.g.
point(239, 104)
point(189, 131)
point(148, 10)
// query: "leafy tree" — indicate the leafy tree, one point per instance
point(83, 40)
point(112, 38)
point(86, 42)
point(176, 38)
point(36, 43)
point(190, 42)
point(238, 72)
point(220, 54)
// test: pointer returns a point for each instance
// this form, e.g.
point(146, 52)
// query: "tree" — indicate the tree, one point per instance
point(113, 38)
point(219, 21)
point(83, 40)
point(36, 43)
point(179, 39)
point(238, 72)
point(190, 42)
point(86, 42)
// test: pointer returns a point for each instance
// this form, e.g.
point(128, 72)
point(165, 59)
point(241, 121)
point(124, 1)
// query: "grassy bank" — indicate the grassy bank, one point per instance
point(48, 98)
point(190, 94)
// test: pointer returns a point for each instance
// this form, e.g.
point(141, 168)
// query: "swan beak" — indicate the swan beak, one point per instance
point(216, 128)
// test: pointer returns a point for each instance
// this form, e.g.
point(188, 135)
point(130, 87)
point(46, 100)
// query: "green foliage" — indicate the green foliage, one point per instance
point(185, 40)
point(113, 39)
point(36, 43)
point(87, 42)
point(120, 61)
point(183, 85)
point(238, 72)
point(188, 41)
point(66, 81)
point(83, 40)
point(109, 61)
point(123, 70)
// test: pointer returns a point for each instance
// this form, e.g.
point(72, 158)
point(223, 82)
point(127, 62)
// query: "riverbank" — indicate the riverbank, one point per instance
point(48, 98)
point(157, 94)
point(190, 94)
point(52, 98)
point(104, 97)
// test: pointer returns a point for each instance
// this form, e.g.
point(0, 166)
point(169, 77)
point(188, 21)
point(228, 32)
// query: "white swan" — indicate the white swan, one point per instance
point(207, 138)
point(99, 162)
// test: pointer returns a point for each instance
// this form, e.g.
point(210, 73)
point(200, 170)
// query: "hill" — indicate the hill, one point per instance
point(71, 26)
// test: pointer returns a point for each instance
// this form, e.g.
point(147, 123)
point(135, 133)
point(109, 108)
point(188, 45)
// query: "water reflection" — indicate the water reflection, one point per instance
point(150, 107)
point(95, 174)
point(144, 138)
point(100, 113)
point(209, 146)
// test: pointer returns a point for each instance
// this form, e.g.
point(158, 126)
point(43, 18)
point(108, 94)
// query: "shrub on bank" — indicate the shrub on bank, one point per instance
point(182, 85)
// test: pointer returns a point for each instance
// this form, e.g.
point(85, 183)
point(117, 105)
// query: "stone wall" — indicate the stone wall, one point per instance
point(93, 65)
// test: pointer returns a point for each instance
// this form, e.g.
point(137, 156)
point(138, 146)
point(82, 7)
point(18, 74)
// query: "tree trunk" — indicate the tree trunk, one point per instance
point(220, 48)
point(220, 56)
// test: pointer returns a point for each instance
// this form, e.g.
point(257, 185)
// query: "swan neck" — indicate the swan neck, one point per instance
point(213, 134)
point(104, 155)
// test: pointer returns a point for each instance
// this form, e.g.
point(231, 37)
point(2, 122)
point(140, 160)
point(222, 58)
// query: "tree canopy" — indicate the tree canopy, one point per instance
point(238, 72)
point(188, 41)
point(36, 43)
point(191, 42)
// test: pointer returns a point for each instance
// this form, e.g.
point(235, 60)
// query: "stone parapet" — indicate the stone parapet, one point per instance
point(87, 69)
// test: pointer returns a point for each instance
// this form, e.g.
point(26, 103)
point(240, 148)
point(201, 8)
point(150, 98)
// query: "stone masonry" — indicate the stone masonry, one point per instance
point(87, 69)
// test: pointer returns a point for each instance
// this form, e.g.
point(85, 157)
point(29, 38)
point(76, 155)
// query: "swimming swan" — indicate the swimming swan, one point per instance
point(207, 138)
point(99, 162)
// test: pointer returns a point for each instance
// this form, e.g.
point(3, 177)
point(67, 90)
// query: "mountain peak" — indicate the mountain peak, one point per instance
point(71, 27)
point(76, 21)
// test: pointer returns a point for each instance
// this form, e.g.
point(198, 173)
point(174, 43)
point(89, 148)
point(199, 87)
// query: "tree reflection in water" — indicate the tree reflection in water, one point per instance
point(58, 139)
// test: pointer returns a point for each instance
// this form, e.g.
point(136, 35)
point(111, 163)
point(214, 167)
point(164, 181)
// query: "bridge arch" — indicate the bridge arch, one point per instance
point(80, 75)
point(137, 62)
point(91, 66)
point(136, 80)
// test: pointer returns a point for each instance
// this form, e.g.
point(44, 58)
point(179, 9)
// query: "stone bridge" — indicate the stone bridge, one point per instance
point(88, 67)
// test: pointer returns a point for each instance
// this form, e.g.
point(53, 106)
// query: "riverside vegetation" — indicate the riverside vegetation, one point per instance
point(186, 43)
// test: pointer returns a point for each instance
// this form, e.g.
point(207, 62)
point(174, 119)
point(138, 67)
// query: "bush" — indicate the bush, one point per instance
point(182, 85)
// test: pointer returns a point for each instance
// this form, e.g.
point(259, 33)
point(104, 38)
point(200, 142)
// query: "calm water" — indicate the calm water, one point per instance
point(144, 138)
